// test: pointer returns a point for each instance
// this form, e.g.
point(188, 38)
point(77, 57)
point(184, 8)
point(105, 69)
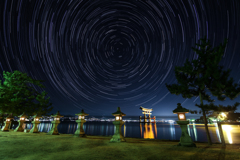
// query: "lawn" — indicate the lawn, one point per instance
point(39, 146)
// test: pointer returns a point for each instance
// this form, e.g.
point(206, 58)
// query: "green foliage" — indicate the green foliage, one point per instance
point(202, 74)
point(219, 108)
point(195, 77)
point(18, 95)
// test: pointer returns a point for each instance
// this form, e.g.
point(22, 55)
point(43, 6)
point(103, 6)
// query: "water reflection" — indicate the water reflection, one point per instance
point(149, 130)
point(160, 130)
point(217, 132)
point(227, 129)
point(172, 130)
point(195, 131)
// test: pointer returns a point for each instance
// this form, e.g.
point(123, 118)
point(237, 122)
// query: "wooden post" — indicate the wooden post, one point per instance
point(221, 133)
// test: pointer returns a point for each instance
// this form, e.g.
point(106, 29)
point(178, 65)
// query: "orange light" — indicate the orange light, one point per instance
point(181, 116)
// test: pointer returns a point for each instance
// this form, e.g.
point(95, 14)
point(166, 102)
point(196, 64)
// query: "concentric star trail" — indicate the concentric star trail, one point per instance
point(101, 54)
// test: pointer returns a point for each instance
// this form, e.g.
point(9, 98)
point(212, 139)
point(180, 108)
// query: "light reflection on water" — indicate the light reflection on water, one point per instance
point(160, 130)
point(227, 129)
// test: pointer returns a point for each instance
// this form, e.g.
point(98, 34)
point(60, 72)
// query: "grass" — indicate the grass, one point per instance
point(39, 146)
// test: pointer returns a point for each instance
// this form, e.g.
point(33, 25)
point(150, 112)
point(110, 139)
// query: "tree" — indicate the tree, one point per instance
point(204, 74)
point(17, 95)
point(221, 108)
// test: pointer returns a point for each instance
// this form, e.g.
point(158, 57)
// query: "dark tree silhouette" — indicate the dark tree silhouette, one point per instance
point(204, 74)
point(17, 95)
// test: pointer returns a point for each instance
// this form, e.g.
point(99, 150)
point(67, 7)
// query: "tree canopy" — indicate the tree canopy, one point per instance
point(18, 95)
point(204, 74)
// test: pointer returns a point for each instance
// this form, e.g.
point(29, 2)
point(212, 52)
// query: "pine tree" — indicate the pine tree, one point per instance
point(203, 74)
point(18, 95)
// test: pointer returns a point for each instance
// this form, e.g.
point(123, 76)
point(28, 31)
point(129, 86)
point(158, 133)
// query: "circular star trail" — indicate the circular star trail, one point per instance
point(98, 55)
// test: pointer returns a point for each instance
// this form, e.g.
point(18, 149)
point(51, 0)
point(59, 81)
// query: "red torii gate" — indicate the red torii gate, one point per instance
point(147, 111)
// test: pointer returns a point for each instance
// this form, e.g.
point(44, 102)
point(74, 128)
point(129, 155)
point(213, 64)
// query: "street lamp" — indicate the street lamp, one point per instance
point(54, 130)
point(20, 122)
point(7, 122)
point(80, 132)
point(185, 139)
point(118, 137)
point(35, 123)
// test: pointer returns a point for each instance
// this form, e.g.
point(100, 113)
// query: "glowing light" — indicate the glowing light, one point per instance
point(181, 116)
point(222, 116)
point(148, 131)
point(117, 117)
point(227, 129)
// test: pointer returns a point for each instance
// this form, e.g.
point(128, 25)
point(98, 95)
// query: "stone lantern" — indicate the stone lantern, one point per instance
point(20, 122)
point(180, 111)
point(118, 137)
point(35, 123)
point(7, 122)
point(1, 119)
point(80, 132)
point(55, 122)
point(185, 139)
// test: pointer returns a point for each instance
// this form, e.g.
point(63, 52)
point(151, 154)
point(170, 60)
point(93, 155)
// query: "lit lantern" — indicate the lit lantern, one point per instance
point(185, 139)
point(1, 118)
point(181, 112)
point(7, 122)
point(118, 137)
point(20, 123)
point(80, 131)
point(35, 123)
point(118, 115)
point(54, 130)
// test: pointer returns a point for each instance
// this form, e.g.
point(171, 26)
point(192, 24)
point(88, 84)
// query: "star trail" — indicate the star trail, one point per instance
point(100, 54)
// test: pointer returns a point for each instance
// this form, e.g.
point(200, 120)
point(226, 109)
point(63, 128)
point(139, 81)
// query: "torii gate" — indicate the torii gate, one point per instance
point(147, 111)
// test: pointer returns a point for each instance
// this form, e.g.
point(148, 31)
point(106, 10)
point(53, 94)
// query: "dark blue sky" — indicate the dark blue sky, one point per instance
point(98, 55)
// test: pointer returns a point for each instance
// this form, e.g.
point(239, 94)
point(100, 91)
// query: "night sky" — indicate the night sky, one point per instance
point(97, 55)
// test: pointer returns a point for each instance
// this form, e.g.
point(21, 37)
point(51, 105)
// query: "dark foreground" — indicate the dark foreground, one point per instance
point(26, 146)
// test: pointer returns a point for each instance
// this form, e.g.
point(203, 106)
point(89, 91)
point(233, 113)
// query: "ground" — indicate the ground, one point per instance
point(29, 146)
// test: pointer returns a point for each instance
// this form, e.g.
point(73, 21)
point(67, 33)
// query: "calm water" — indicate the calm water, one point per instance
point(159, 130)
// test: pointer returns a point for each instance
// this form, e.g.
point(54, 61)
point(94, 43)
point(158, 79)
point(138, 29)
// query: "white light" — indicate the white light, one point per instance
point(80, 117)
point(181, 116)
point(228, 129)
point(117, 118)
point(171, 121)
point(223, 114)
point(120, 118)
